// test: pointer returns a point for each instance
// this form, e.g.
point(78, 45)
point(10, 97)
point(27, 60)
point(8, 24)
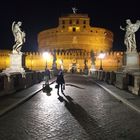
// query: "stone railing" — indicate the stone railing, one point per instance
point(122, 80)
point(17, 81)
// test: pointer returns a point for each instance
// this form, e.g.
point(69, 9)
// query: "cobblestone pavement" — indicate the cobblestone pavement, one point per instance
point(86, 112)
point(132, 100)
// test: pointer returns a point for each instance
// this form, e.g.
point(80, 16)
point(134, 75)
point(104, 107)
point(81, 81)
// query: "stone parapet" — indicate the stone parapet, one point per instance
point(125, 81)
point(134, 86)
point(121, 81)
point(16, 81)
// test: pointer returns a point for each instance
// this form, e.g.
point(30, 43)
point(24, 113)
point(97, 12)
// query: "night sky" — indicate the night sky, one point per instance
point(38, 15)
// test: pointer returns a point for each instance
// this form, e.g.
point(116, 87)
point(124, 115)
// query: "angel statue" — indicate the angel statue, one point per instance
point(74, 10)
point(129, 39)
point(19, 36)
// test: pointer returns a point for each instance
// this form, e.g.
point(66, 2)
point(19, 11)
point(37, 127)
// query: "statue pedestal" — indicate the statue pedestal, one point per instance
point(17, 63)
point(131, 62)
point(92, 69)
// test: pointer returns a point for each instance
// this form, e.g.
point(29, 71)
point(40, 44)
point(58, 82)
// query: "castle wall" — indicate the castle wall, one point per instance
point(97, 40)
point(4, 59)
point(35, 61)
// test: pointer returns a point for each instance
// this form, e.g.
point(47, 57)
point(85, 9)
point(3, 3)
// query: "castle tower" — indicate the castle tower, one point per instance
point(74, 39)
point(74, 32)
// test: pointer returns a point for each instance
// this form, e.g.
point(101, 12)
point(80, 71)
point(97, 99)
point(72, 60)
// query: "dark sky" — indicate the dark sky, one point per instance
point(38, 15)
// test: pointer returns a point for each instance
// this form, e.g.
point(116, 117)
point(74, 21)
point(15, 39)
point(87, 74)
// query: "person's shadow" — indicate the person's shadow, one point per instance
point(61, 99)
point(89, 124)
point(47, 89)
point(74, 86)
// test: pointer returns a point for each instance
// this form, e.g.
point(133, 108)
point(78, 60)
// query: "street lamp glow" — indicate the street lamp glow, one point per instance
point(61, 64)
point(47, 57)
point(101, 57)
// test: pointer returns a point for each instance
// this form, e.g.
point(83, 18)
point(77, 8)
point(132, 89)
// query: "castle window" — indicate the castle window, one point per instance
point(74, 29)
point(77, 21)
point(63, 26)
point(63, 21)
point(70, 21)
point(84, 22)
point(84, 26)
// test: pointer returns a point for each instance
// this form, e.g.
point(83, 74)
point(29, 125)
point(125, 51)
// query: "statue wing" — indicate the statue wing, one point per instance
point(13, 29)
point(138, 21)
point(13, 24)
point(135, 27)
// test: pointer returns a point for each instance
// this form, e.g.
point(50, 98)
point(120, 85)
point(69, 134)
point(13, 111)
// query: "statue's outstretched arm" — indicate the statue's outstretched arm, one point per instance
point(122, 28)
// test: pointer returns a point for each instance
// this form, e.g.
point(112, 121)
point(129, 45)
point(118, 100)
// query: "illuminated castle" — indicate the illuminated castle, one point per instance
point(74, 32)
point(73, 40)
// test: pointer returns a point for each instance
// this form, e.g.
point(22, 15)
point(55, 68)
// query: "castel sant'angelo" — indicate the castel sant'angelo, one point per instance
point(72, 41)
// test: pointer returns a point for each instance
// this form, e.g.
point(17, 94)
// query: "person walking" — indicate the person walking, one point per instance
point(60, 82)
point(46, 86)
point(47, 75)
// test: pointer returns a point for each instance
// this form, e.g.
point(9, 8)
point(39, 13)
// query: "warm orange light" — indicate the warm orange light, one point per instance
point(70, 28)
point(101, 55)
point(47, 56)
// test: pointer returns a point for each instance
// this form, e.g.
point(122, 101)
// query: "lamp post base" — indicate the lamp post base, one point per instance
point(100, 68)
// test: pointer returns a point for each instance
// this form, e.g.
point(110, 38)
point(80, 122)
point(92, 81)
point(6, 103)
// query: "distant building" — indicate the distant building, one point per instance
point(74, 32)
point(74, 39)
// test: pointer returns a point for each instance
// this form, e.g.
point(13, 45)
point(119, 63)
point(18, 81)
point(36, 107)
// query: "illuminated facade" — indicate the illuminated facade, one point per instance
point(35, 61)
point(74, 32)
point(72, 40)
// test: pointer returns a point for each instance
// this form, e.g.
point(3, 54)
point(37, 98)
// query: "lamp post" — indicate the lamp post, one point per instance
point(46, 56)
point(101, 57)
point(54, 65)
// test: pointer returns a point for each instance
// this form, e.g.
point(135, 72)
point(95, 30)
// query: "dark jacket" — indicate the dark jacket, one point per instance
point(60, 79)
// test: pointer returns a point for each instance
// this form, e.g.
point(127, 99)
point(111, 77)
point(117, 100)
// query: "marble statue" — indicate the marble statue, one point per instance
point(19, 36)
point(129, 39)
point(74, 10)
